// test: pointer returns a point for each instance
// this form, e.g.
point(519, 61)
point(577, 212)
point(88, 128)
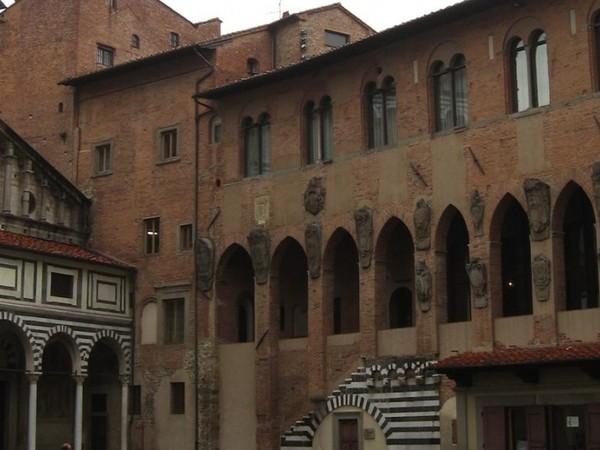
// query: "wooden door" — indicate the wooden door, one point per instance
point(348, 434)
point(494, 428)
point(593, 427)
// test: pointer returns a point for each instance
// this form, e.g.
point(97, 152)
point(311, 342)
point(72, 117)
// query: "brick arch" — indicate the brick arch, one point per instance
point(30, 348)
point(116, 343)
point(73, 345)
point(444, 52)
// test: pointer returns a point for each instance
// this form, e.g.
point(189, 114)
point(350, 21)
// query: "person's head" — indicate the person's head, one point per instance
point(66, 446)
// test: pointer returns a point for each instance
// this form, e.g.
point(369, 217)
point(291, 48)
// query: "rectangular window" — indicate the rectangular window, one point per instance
point(168, 144)
point(105, 56)
point(135, 400)
point(102, 159)
point(174, 39)
point(174, 318)
point(177, 398)
point(186, 238)
point(152, 236)
point(61, 285)
point(335, 39)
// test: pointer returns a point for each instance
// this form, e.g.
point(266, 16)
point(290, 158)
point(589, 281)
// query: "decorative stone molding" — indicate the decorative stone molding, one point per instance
point(259, 241)
point(423, 285)
point(205, 263)
point(538, 208)
point(422, 222)
point(477, 209)
point(314, 196)
point(542, 276)
point(313, 240)
point(363, 219)
point(477, 273)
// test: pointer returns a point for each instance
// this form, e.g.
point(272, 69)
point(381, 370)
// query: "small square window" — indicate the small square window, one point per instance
point(177, 398)
point(168, 142)
point(102, 159)
point(152, 236)
point(174, 39)
point(174, 310)
point(186, 237)
point(105, 56)
point(335, 39)
point(135, 400)
point(61, 285)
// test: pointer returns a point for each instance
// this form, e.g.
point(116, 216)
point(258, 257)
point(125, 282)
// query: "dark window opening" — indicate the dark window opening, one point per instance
point(580, 254)
point(168, 144)
point(152, 236)
point(345, 304)
point(174, 321)
point(245, 318)
point(135, 41)
point(174, 40)
point(335, 39)
point(450, 94)
point(381, 113)
point(516, 262)
point(177, 398)
point(252, 67)
point(256, 146)
point(319, 127)
point(61, 285)
point(61, 107)
point(105, 56)
point(102, 159)
point(186, 237)
point(401, 310)
point(135, 400)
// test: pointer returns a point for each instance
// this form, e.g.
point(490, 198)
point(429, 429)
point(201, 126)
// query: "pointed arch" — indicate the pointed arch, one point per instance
point(341, 283)
point(235, 296)
point(510, 259)
point(394, 276)
point(575, 249)
point(289, 288)
point(452, 255)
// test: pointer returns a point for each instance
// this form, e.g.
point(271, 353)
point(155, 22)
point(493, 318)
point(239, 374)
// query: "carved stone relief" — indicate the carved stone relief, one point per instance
point(596, 182)
point(423, 285)
point(541, 277)
point(478, 277)
point(422, 222)
point(205, 263)
point(477, 209)
point(259, 241)
point(363, 219)
point(538, 208)
point(313, 240)
point(314, 196)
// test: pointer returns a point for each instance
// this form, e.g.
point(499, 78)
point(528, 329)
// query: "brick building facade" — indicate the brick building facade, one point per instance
point(389, 245)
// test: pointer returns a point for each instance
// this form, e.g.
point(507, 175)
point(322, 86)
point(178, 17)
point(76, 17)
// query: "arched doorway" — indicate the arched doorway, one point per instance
point(13, 389)
point(235, 296)
point(102, 399)
point(56, 394)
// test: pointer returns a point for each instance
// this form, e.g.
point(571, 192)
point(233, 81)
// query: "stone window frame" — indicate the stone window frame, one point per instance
point(73, 301)
point(172, 293)
point(145, 220)
point(103, 49)
point(174, 39)
point(337, 416)
point(180, 237)
point(96, 172)
point(328, 32)
point(160, 158)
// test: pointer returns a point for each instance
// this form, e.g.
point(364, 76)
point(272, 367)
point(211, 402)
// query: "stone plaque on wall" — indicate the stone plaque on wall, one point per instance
point(363, 219)
point(423, 285)
point(478, 278)
point(314, 196)
point(477, 209)
point(422, 222)
point(312, 238)
point(259, 241)
point(542, 276)
point(205, 263)
point(262, 210)
point(538, 208)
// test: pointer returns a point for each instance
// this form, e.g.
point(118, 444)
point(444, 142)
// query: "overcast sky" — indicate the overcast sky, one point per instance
point(240, 14)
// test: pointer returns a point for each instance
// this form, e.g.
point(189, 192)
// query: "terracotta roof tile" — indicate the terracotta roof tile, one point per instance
point(37, 245)
point(522, 356)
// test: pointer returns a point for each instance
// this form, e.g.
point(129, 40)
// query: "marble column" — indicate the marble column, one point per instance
point(32, 417)
point(124, 410)
point(77, 438)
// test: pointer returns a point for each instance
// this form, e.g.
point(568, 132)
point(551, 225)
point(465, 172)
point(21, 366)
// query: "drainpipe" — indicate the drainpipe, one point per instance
point(197, 116)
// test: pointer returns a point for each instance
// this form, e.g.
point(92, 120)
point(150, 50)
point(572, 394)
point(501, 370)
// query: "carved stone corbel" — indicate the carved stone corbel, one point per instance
point(363, 219)
point(259, 241)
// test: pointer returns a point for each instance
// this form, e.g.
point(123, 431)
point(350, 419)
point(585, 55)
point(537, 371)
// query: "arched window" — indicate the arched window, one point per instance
point(135, 41)
point(516, 262)
point(457, 281)
point(450, 94)
point(215, 130)
point(381, 113)
point(530, 80)
point(581, 267)
point(256, 145)
point(319, 131)
point(401, 310)
point(252, 66)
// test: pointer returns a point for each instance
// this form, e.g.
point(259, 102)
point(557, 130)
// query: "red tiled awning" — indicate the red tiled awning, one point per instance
point(37, 245)
point(507, 357)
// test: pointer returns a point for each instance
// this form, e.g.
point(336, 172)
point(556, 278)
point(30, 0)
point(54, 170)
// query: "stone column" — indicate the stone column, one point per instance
point(32, 417)
point(77, 437)
point(319, 327)
point(368, 312)
point(124, 410)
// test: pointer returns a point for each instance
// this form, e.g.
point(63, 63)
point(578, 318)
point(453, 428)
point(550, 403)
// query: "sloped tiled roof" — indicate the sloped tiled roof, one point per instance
point(53, 248)
point(512, 356)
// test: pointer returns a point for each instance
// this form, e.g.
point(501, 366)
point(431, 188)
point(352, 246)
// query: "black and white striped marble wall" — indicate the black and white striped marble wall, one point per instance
point(401, 395)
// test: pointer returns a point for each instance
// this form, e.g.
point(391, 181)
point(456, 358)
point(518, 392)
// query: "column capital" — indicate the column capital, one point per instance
point(33, 377)
point(125, 378)
point(79, 377)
